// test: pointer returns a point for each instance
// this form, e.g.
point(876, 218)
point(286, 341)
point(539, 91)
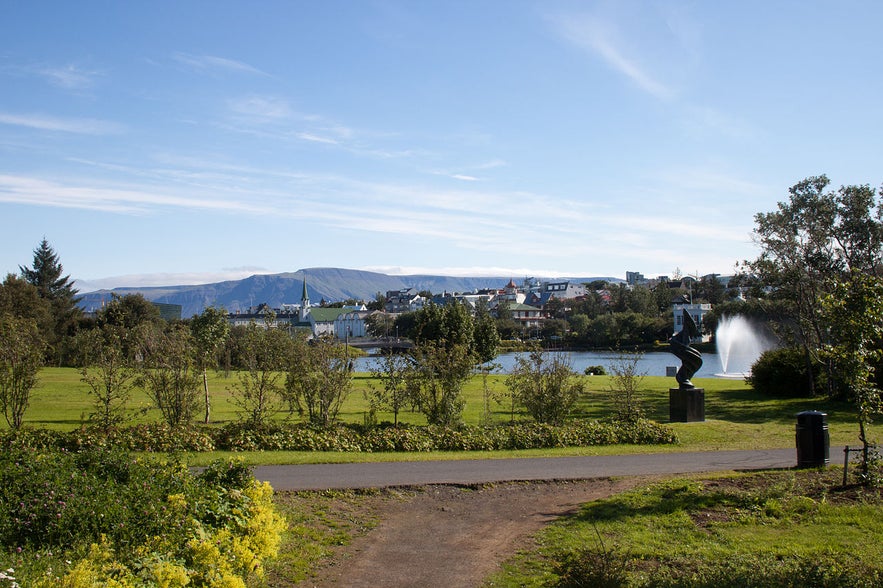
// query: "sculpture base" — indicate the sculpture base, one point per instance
point(686, 405)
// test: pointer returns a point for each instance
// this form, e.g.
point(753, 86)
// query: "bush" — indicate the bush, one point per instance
point(783, 372)
point(239, 436)
point(101, 517)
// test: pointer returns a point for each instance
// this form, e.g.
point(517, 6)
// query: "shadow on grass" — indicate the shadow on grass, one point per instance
point(747, 406)
point(661, 500)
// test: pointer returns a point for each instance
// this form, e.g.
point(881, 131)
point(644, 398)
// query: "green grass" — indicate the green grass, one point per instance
point(736, 416)
point(733, 530)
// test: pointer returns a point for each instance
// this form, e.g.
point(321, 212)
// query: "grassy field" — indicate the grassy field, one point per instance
point(776, 528)
point(736, 417)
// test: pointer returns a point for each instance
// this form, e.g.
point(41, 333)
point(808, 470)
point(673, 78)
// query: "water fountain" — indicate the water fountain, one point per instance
point(739, 344)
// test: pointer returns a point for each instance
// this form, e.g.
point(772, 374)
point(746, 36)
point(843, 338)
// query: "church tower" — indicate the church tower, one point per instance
point(304, 303)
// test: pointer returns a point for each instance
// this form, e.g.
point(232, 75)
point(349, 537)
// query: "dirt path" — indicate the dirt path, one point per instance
point(455, 536)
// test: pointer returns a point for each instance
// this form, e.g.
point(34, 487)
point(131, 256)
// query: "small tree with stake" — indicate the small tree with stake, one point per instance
point(854, 313)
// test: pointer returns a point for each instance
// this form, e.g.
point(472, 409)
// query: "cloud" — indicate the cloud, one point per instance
point(208, 63)
point(601, 38)
point(83, 126)
point(69, 77)
point(38, 192)
point(261, 107)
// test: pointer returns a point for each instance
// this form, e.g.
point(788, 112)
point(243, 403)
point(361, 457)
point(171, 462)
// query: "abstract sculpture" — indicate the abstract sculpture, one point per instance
point(691, 359)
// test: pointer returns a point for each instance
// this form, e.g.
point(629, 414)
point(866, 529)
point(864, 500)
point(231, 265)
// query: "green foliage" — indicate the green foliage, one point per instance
point(242, 436)
point(783, 372)
point(210, 332)
point(132, 522)
point(392, 370)
point(854, 311)
point(258, 392)
point(21, 356)
point(167, 372)
point(545, 385)
point(107, 370)
point(384, 438)
point(625, 384)
point(753, 530)
point(45, 274)
point(319, 379)
point(437, 380)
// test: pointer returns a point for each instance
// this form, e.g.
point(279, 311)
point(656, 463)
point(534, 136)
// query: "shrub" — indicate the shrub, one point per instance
point(782, 372)
point(105, 518)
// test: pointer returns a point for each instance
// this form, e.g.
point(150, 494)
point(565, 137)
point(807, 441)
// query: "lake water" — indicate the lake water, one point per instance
point(651, 364)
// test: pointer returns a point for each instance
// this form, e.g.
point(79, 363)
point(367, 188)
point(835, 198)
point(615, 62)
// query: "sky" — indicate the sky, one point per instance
point(168, 142)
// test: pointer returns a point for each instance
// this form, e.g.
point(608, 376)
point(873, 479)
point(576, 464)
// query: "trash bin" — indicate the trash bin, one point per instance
point(812, 439)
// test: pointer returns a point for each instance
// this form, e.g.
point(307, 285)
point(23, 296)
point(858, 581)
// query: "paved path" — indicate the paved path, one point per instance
point(418, 473)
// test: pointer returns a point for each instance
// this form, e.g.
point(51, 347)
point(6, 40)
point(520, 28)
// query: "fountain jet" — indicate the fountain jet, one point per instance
point(739, 345)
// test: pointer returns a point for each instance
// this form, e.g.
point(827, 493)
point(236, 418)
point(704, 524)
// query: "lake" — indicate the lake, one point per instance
point(651, 364)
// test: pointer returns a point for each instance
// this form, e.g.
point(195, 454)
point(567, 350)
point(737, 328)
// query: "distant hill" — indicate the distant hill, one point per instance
point(330, 284)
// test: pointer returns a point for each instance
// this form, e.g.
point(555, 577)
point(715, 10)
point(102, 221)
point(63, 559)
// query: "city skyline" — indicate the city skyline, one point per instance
point(181, 143)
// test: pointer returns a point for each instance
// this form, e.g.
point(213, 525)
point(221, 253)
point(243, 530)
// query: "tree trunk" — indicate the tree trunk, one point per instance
point(208, 406)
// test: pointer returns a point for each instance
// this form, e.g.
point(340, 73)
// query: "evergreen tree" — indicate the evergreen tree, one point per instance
point(46, 276)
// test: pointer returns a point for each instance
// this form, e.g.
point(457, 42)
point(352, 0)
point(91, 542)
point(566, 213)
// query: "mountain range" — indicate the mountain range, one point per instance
point(329, 284)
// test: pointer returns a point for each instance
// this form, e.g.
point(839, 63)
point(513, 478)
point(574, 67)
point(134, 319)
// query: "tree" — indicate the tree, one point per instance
point(380, 324)
point(128, 311)
point(21, 357)
point(210, 331)
point(21, 299)
point(319, 379)
point(444, 355)
point(46, 275)
point(106, 369)
point(168, 372)
point(854, 311)
point(485, 337)
point(379, 302)
point(813, 241)
point(264, 353)
point(545, 385)
point(624, 382)
point(392, 370)
point(436, 382)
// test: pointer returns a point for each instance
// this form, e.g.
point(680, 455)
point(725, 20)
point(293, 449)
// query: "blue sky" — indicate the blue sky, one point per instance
point(181, 142)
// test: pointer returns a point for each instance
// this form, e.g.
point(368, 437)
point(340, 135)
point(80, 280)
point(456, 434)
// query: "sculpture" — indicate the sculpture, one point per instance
point(691, 359)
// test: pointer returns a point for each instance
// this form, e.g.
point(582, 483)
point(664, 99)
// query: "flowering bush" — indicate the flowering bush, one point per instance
point(102, 518)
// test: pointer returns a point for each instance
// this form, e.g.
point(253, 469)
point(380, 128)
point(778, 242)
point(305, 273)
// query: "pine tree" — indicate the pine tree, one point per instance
point(57, 289)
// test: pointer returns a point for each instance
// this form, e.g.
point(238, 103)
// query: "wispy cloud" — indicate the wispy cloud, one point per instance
point(37, 192)
point(208, 63)
point(68, 77)
point(601, 38)
point(265, 108)
point(85, 126)
point(466, 219)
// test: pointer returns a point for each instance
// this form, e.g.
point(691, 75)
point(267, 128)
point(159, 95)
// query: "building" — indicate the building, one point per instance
point(697, 311)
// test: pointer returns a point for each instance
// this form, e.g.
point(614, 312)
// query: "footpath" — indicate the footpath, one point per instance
point(480, 471)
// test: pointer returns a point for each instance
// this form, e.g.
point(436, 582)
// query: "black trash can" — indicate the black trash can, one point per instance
point(813, 441)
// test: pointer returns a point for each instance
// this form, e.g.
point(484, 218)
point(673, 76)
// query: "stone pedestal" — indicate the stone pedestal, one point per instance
point(686, 406)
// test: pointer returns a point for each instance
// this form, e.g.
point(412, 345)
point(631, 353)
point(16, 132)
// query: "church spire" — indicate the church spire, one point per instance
point(304, 302)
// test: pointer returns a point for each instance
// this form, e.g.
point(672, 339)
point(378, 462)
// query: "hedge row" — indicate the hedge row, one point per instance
point(348, 438)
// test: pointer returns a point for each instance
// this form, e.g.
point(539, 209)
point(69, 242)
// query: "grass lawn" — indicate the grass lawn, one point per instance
point(736, 416)
point(776, 528)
